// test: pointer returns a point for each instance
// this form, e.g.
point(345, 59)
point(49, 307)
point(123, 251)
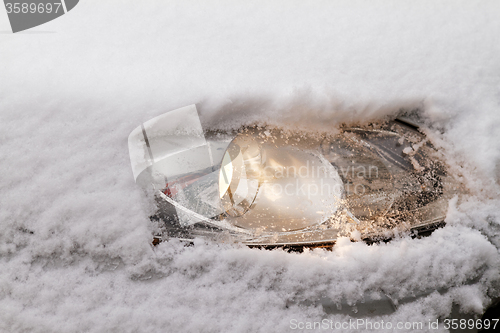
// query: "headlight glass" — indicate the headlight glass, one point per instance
point(270, 186)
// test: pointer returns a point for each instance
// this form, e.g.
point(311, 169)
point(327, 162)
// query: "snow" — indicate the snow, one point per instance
point(75, 236)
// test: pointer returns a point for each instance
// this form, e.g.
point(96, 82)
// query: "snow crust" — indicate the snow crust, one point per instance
point(75, 252)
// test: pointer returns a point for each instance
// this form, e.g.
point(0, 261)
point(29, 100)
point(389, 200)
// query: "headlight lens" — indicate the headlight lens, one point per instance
point(268, 185)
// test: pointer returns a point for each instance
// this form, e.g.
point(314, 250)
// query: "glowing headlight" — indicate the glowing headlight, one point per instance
point(267, 185)
point(272, 187)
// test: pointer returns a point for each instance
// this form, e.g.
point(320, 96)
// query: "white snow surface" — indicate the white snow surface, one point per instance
point(75, 253)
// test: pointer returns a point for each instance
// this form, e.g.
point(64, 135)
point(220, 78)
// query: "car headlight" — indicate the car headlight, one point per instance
point(271, 187)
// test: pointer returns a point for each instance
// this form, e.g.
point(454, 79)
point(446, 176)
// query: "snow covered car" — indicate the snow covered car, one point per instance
point(271, 187)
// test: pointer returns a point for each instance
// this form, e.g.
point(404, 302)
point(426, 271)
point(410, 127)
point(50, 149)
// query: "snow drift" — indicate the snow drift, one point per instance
point(75, 235)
